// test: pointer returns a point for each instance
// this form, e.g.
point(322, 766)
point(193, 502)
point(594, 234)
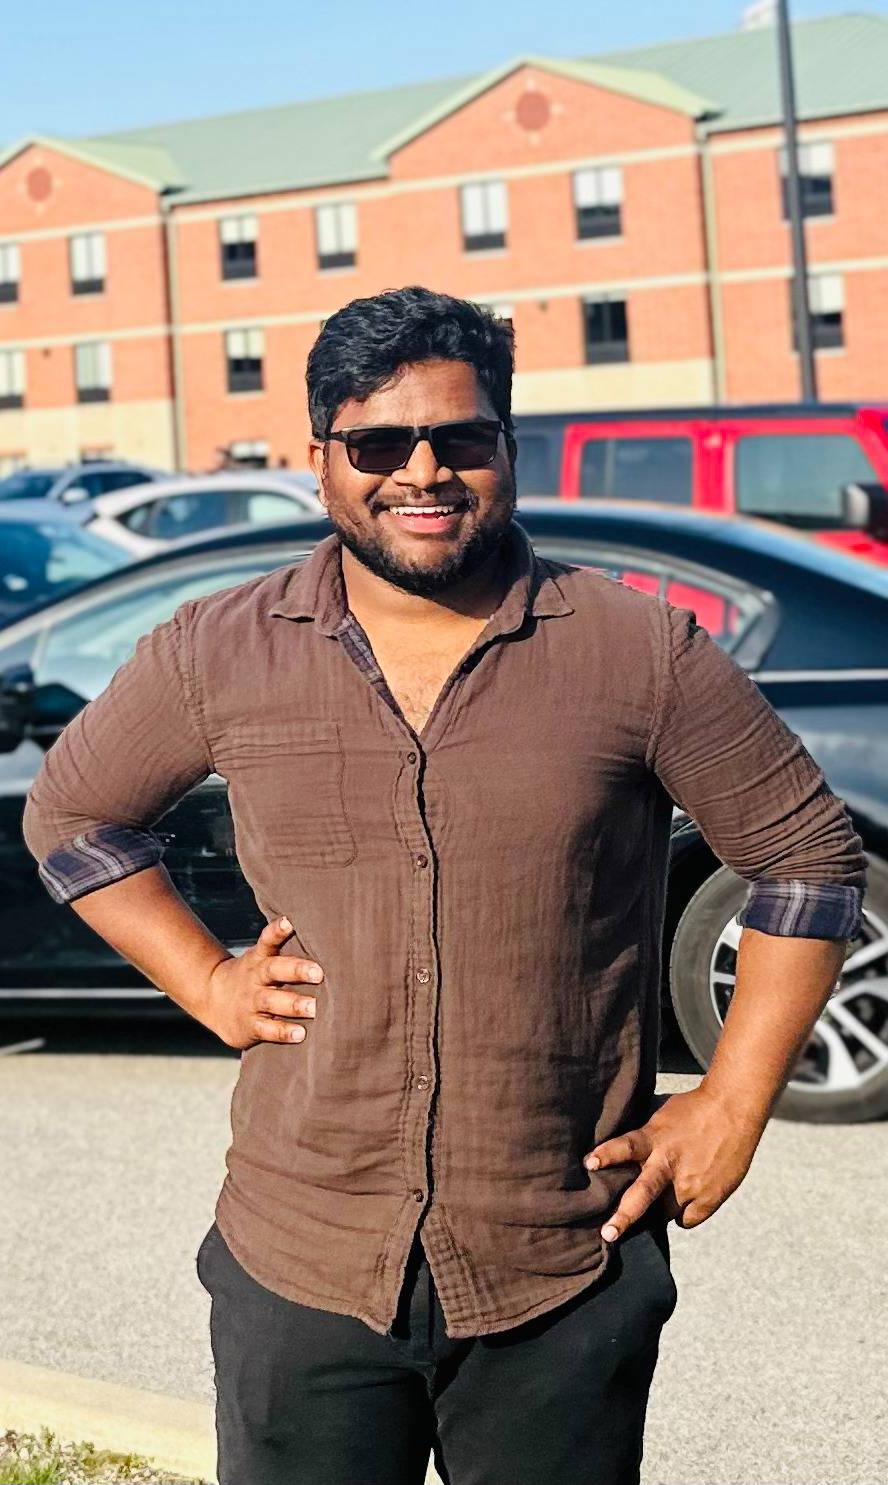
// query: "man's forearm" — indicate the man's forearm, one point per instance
point(146, 920)
point(782, 985)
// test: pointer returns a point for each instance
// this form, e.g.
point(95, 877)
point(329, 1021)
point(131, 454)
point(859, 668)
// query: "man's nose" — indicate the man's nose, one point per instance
point(422, 469)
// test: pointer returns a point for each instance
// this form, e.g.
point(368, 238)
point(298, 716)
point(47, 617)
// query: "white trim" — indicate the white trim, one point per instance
point(767, 137)
point(123, 224)
point(137, 332)
point(301, 199)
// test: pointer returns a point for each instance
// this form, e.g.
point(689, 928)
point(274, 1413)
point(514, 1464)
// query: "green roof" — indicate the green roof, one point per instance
point(724, 82)
point(840, 63)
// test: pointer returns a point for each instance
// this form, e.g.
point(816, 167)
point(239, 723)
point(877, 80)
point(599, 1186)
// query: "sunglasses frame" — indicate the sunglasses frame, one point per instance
point(422, 432)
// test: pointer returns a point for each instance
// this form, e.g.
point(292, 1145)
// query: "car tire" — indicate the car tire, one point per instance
point(840, 1078)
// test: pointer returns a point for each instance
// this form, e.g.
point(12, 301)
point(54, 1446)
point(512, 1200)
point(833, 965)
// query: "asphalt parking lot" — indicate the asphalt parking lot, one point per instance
point(112, 1143)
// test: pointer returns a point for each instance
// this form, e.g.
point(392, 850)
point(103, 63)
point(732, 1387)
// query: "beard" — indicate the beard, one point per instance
point(424, 580)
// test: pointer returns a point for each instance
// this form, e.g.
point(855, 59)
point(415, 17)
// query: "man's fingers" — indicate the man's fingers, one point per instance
point(635, 1145)
point(274, 1002)
point(635, 1201)
point(273, 935)
point(288, 970)
point(270, 1029)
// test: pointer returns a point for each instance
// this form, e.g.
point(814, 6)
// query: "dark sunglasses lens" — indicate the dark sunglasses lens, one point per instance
point(466, 445)
point(379, 450)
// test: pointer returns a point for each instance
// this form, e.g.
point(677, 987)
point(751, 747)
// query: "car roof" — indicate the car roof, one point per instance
point(29, 512)
point(715, 539)
point(698, 412)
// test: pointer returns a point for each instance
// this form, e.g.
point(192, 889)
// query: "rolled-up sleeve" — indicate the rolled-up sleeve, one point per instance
point(126, 758)
point(761, 801)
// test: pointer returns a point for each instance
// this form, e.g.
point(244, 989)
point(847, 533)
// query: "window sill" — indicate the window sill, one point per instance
point(244, 278)
point(247, 392)
point(584, 242)
point(485, 252)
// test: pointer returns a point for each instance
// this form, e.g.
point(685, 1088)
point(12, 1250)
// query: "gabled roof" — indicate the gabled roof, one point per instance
point(723, 82)
point(646, 86)
point(144, 164)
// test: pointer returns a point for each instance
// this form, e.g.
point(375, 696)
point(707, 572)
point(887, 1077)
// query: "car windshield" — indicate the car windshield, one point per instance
point(28, 484)
point(44, 560)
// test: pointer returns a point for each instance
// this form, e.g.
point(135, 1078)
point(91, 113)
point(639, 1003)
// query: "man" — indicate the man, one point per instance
point(451, 768)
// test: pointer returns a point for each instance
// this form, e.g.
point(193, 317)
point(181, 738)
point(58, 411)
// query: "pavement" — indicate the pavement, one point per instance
point(112, 1143)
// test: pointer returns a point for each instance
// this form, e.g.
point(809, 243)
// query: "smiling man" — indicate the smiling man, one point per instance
point(451, 767)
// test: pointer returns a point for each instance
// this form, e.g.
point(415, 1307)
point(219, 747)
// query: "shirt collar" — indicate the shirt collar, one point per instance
point(315, 590)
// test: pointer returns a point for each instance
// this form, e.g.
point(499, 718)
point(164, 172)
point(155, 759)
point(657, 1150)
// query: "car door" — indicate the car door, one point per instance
point(41, 942)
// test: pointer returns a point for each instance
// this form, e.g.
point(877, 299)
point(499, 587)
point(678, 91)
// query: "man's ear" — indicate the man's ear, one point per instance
point(317, 458)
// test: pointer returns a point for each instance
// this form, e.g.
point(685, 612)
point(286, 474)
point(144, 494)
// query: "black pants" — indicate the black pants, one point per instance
point(306, 1397)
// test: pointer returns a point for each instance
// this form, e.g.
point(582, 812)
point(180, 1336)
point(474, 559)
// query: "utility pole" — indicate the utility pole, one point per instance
point(800, 301)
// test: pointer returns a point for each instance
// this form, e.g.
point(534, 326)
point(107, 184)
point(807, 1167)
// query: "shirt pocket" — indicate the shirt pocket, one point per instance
point(286, 786)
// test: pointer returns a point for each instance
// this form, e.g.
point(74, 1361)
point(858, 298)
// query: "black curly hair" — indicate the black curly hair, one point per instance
point(363, 345)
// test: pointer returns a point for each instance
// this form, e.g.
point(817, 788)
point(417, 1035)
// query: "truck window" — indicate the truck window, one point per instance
point(536, 469)
point(637, 469)
point(792, 476)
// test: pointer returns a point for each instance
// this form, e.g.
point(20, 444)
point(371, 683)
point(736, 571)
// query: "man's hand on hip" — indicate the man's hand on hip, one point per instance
point(693, 1153)
point(247, 997)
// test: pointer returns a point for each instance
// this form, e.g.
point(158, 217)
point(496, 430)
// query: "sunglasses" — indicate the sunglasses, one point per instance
point(382, 448)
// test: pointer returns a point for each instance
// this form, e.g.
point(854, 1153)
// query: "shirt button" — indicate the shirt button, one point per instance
point(419, 1196)
point(422, 1081)
point(422, 861)
point(411, 757)
point(423, 975)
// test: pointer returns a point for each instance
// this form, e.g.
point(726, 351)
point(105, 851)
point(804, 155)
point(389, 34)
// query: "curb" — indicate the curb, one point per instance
point(174, 1434)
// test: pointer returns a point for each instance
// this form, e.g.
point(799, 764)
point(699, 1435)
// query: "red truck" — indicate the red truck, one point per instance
point(821, 467)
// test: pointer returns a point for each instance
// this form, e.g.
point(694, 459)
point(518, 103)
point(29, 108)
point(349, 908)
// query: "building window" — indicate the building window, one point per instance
point(826, 301)
point(243, 352)
point(336, 232)
point(12, 379)
point(505, 312)
point(10, 272)
point(485, 216)
point(598, 195)
point(606, 330)
point(815, 180)
point(237, 245)
point(88, 262)
point(92, 371)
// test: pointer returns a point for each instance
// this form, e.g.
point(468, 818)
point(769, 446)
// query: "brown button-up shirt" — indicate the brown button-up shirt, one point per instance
point(486, 899)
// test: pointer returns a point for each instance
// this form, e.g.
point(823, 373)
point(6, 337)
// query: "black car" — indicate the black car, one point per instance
point(808, 623)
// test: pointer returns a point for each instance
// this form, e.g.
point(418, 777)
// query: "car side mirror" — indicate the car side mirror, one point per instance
point(865, 508)
point(73, 494)
point(29, 710)
point(16, 695)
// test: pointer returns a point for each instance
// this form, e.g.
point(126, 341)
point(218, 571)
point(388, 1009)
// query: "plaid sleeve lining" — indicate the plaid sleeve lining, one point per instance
point(96, 859)
point(803, 909)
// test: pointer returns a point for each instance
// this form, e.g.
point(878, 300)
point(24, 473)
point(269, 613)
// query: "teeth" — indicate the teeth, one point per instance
point(422, 510)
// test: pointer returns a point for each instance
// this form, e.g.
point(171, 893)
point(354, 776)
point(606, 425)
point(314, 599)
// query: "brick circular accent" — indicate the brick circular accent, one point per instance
point(38, 183)
point(533, 110)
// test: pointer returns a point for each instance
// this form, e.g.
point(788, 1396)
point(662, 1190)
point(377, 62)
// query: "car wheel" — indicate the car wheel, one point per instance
point(842, 1075)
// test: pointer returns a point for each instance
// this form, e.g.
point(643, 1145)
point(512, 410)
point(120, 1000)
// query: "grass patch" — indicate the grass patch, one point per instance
point(41, 1459)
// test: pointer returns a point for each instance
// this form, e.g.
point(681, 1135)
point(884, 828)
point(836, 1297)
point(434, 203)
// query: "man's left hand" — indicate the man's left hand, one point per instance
point(693, 1152)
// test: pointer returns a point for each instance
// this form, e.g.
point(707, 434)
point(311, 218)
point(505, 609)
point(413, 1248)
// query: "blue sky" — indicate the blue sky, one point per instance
point(111, 64)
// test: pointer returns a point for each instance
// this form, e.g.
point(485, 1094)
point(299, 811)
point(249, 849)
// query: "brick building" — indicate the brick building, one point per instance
point(160, 288)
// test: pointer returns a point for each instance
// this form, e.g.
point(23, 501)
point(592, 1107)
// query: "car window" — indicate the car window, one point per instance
point(28, 484)
point(44, 560)
point(536, 470)
point(186, 515)
point(84, 650)
point(260, 506)
point(725, 608)
point(637, 469)
point(122, 479)
point(797, 476)
point(138, 519)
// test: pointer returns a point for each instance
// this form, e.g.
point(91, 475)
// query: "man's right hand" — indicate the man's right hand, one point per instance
point(247, 999)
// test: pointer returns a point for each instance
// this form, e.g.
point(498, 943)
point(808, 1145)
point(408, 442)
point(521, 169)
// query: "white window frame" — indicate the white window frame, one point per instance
point(826, 293)
point(243, 228)
point(815, 157)
point(12, 374)
point(10, 264)
point(88, 259)
point(336, 234)
point(598, 185)
point(92, 366)
point(484, 213)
